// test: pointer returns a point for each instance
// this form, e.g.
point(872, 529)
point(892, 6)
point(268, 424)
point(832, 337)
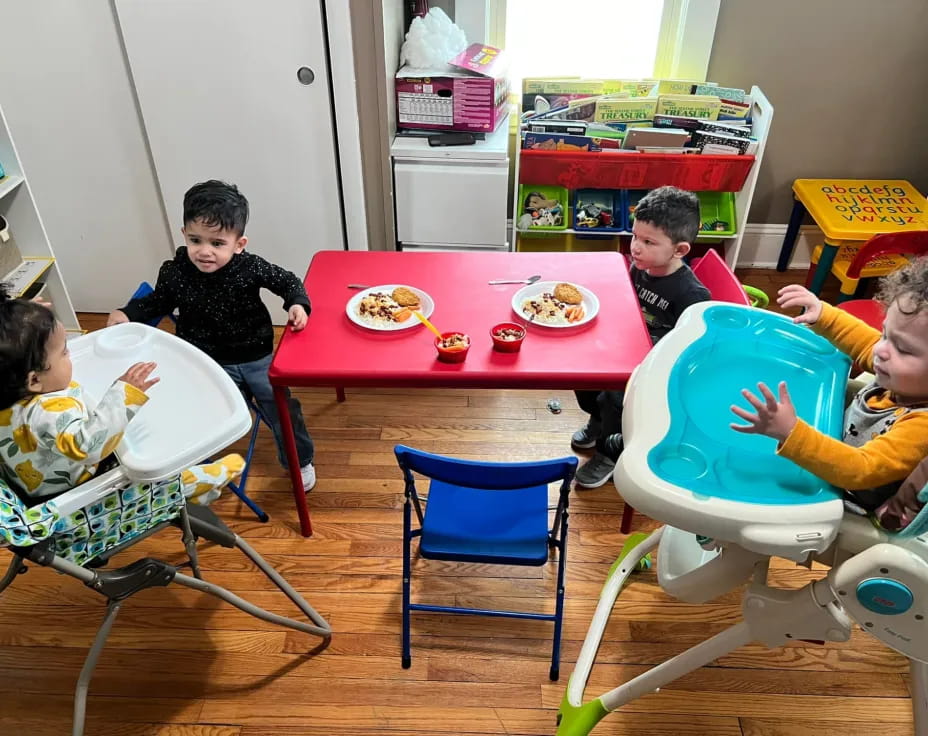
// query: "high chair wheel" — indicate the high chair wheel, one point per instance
point(554, 674)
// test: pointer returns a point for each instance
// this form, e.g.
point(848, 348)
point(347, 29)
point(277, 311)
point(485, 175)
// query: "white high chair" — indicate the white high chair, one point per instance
point(195, 411)
point(683, 465)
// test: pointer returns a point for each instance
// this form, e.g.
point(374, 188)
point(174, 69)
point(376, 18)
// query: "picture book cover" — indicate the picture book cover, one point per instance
point(634, 109)
point(703, 138)
point(481, 59)
point(725, 93)
point(731, 110)
point(661, 137)
point(692, 106)
point(558, 142)
point(631, 87)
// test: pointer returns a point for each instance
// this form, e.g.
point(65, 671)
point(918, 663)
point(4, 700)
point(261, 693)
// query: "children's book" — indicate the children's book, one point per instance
point(675, 86)
point(635, 109)
point(692, 106)
point(631, 87)
point(713, 126)
point(567, 127)
point(560, 142)
point(732, 110)
point(726, 93)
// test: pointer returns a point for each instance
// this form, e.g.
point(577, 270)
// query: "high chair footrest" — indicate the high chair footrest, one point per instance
point(123, 582)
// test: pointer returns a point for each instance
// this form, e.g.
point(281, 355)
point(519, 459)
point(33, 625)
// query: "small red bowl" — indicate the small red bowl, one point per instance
point(507, 346)
point(451, 355)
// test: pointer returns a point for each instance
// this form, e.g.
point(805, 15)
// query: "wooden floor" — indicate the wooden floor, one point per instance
point(183, 664)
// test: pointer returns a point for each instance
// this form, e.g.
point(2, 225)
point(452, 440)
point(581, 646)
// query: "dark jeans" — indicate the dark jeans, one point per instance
point(605, 410)
point(252, 381)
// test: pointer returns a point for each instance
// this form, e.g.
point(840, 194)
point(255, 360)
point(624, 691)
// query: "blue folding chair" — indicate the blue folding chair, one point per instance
point(490, 513)
point(237, 488)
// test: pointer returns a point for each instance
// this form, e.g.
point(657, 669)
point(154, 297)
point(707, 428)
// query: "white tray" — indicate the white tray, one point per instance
point(192, 413)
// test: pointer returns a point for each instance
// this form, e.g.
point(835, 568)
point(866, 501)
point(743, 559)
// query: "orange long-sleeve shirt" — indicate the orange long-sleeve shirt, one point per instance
point(886, 458)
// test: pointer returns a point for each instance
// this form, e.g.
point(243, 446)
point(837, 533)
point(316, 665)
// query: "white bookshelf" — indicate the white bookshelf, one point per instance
point(761, 118)
point(27, 256)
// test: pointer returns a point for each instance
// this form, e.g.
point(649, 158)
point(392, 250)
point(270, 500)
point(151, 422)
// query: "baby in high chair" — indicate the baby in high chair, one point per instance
point(886, 424)
point(50, 441)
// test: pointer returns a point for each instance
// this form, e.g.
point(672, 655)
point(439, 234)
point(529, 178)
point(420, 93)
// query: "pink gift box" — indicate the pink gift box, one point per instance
point(471, 96)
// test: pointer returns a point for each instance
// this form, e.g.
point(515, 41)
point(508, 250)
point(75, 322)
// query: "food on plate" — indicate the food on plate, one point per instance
point(457, 341)
point(568, 293)
point(509, 334)
point(548, 309)
point(405, 297)
point(379, 308)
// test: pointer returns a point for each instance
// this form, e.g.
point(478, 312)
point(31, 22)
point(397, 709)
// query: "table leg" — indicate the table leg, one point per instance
point(339, 394)
point(293, 461)
point(825, 261)
point(792, 232)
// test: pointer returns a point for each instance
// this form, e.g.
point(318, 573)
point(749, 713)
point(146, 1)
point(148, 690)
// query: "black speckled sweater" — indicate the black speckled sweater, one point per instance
point(221, 312)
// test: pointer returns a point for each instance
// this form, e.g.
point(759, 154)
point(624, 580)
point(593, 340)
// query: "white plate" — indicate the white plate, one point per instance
point(590, 302)
point(426, 302)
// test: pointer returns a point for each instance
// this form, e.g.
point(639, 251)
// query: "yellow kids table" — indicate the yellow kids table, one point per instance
point(851, 210)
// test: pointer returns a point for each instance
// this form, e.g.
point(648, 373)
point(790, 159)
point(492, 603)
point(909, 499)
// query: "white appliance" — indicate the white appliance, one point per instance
point(452, 197)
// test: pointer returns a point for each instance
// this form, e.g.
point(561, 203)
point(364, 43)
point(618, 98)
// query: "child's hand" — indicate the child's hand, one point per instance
point(138, 376)
point(297, 315)
point(42, 302)
point(116, 317)
point(795, 295)
point(774, 418)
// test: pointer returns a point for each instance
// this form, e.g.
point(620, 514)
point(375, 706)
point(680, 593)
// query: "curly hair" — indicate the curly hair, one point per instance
point(25, 329)
point(675, 211)
point(907, 287)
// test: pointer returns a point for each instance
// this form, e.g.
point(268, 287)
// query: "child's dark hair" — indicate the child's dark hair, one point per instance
point(215, 203)
point(907, 287)
point(675, 211)
point(25, 328)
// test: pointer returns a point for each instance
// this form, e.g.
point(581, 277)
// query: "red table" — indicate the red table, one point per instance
point(333, 351)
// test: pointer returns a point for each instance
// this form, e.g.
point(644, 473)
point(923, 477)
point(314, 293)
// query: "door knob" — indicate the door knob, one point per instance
point(305, 75)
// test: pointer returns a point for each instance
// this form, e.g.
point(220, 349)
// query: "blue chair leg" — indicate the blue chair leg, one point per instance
point(407, 574)
point(239, 488)
point(823, 270)
point(559, 605)
point(792, 232)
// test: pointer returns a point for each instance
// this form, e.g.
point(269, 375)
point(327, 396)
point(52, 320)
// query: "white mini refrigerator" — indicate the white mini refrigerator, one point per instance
point(452, 197)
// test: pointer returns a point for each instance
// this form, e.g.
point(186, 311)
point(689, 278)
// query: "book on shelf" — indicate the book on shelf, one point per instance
point(633, 109)
point(725, 93)
point(659, 137)
point(732, 110)
point(704, 138)
point(675, 86)
point(692, 106)
point(561, 142)
point(631, 87)
point(713, 126)
point(565, 127)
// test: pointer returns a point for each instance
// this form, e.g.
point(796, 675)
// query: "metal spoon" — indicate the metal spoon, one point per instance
point(529, 280)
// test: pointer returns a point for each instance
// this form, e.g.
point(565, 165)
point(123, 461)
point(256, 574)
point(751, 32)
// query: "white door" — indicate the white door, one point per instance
point(222, 97)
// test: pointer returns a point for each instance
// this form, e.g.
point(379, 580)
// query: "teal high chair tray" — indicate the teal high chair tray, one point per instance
point(683, 463)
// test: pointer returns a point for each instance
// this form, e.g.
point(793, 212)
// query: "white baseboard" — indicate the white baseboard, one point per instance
point(760, 246)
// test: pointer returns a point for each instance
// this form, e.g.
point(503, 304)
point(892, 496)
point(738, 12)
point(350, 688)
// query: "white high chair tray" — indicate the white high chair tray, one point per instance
point(682, 463)
point(192, 413)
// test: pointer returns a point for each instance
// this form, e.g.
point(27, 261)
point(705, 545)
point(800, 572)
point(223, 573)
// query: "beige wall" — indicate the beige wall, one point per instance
point(846, 79)
point(377, 34)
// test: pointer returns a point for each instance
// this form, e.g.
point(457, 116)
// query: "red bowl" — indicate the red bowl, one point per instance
point(451, 355)
point(507, 346)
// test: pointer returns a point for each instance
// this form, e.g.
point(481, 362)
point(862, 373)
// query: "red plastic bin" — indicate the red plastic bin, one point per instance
point(595, 170)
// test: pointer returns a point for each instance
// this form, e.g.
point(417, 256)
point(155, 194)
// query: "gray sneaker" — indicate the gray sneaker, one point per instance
point(585, 437)
point(595, 471)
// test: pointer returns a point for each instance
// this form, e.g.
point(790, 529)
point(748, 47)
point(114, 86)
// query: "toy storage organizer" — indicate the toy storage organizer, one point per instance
point(724, 184)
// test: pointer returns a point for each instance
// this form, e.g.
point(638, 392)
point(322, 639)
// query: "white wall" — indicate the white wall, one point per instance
point(68, 99)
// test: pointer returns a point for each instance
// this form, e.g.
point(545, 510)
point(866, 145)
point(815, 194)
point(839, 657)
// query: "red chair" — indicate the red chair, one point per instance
point(723, 286)
point(913, 243)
